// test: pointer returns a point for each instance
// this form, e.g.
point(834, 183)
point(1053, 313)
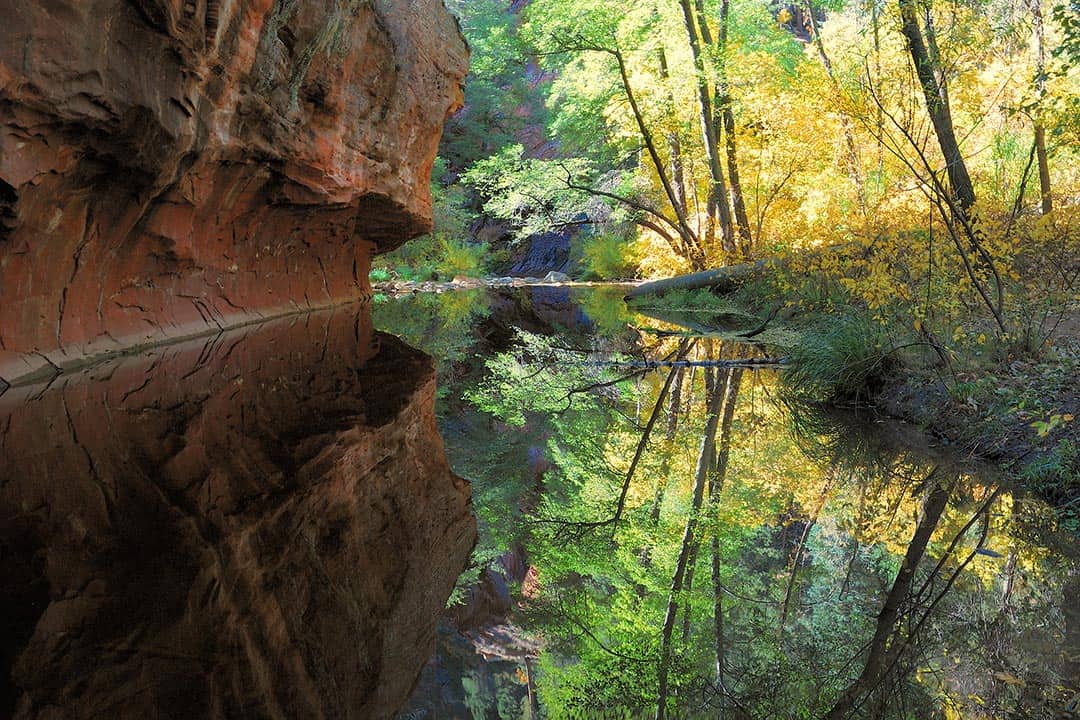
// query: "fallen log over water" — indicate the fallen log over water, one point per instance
point(722, 279)
point(731, 363)
point(727, 278)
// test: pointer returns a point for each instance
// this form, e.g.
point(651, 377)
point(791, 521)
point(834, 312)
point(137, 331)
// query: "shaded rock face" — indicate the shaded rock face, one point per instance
point(171, 166)
point(543, 253)
point(263, 525)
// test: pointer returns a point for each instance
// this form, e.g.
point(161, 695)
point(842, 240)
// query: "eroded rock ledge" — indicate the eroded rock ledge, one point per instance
point(169, 167)
point(263, 525)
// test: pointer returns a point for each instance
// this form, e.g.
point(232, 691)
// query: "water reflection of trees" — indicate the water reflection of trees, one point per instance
point(698, 540)
point(696, 559)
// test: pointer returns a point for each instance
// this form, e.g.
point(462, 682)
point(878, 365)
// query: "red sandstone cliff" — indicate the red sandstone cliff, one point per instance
point(171, 166)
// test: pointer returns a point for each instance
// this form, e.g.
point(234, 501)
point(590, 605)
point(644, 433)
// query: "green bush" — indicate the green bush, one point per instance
point(608, 257)
point(459, 257)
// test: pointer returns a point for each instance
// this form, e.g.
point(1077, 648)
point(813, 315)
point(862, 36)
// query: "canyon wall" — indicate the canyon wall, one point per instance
point(262, 524)
point(171, 167)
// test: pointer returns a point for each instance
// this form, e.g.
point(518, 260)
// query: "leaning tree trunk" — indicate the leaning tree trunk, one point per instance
point(695, 252)
point(936, 92)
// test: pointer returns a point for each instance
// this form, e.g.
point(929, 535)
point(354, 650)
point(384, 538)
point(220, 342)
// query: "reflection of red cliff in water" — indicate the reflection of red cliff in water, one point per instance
point(171, 166)
point(262, 525)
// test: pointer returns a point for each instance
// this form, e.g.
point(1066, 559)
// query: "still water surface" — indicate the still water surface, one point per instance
point(837, 566)
point(262, 524)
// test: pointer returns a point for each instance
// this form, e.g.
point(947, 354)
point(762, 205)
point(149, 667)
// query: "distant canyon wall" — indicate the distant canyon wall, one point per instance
point(168, 167)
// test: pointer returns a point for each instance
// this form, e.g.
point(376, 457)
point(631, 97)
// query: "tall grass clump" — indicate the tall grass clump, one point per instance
point(842, 360)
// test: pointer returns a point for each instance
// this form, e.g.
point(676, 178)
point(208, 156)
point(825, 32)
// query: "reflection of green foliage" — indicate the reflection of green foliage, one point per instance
point(438, 323)
point(535, 377)
point(476, 700)
point(846, 512)
point(605, 308)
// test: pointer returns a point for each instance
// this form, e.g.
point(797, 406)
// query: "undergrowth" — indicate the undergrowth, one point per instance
point(845, 358)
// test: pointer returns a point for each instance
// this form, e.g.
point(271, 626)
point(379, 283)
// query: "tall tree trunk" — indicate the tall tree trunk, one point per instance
point(678, 179)
point(889, 616)
point(935, 91)
point(706, 457)
point(854, 166)
point(875, 21)
point(718, 198)
point(1040, 131)
point(723, 105)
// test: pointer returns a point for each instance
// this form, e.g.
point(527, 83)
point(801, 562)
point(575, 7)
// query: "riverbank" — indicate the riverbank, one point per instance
point(1020, 414)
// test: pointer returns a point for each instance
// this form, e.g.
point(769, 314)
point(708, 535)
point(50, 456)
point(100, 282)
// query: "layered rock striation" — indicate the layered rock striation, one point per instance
point(170, 167)
point(261, 525)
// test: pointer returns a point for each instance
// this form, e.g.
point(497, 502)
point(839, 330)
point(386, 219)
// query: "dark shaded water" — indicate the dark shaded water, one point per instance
point(264, 525)
point(257, 525)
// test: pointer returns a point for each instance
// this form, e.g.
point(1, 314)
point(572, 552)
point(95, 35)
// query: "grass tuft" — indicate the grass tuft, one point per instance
point(843, 360)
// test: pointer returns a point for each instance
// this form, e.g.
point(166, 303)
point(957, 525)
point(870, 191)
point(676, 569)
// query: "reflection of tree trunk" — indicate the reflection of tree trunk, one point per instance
point(856, 532)
point(534, 703)
point(872, 672)
point(674, 405)
point(688, 587)
point(797, 555)
point(705, 460)
point(1010, 562)
point(716, 487)
point(936, 92)
point(639, 451)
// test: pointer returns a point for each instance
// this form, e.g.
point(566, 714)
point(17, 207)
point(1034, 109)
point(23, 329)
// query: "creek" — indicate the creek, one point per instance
point(264, 523)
